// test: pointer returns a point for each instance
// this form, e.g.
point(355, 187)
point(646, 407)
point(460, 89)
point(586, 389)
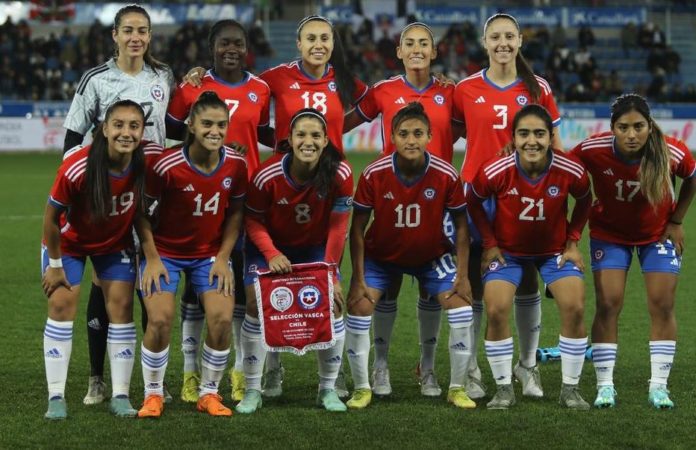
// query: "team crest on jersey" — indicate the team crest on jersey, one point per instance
point(157, 92)
point(253, 268)
point(439, 99)
point(309, 297)
point(522, 100)
point(332, 86)
point(429, 193)
point(253, 97)
point(553, 191)
point(598, 254)
point(227, 183)
point(281, 299)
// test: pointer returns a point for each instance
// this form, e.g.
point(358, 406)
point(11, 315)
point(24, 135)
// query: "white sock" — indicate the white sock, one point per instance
point(428, 331)
point(192, 321)
point(330, 358)
point(154, 366)
point(528, 321)
point(57, 350)
point(213, 364)
point(572, 358)
point(474, 369)
point(661, 360)
point(382, 328)
point(253, 351)
point(460, 320)
point(120, 346)
point(237, 320)
point(499, 354)
point(358, 349)
point(604, 359)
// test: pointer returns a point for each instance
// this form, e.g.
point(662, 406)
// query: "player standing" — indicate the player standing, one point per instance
point(409, 191)
point(487, 101)
point(200, 189)
point(531, 188)
point(632, 170)
point(297, 211)
point(247, 98)
point(90, 212)
point(131, 74)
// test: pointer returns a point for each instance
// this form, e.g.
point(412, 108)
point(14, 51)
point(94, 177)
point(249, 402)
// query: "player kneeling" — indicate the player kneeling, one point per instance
point(200, 188)
point(409, 192)
point(531, 188)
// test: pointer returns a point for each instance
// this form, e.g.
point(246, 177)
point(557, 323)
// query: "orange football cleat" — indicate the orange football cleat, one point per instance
point(212, 404)
point(152, 407)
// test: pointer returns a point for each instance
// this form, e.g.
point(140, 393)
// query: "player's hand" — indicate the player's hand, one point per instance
point(225, 277)
point(572, 253)
point(280, 264)
point(239, 148)
point(52, 279)
point(194, 77)
point(154, 270)
point(674, 233)
point(443, 80)
point(357, 293)
point(508, 150)
point(489, 256)
point(462, 288)
point(339, 299)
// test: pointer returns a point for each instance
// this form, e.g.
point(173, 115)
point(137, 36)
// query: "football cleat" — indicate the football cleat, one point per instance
point(459, 398)
point(212, 404)
point(328, 399)
point(96, 391)
point(360, 399)
point(606, 397)
point(189, 388)
point(273, 382)
point(530, 379)
point(380, 382)
point(121, 407)
point(250, 403)
point(659, 398)
point(57, 409)
point(153, 405)
point(504, 397)
point(238, 383)
point(570, 398)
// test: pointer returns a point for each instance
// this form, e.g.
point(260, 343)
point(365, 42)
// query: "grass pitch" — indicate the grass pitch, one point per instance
point(404, 420)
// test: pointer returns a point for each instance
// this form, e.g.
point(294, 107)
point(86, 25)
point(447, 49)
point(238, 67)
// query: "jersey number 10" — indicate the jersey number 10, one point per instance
point(408, 217)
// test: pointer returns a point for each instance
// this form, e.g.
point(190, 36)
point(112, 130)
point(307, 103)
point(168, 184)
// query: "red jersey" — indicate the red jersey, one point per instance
point(389, 96)
point(192, 204)
point(407, 226)
point(248, 103)
point(488, 111)
point(293, 89)
point(531, 215)
point(295, 215)
point(620, 213)
point(80, 235)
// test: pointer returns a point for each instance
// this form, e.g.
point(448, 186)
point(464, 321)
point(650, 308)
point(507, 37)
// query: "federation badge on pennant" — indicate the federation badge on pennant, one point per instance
point(296, 309)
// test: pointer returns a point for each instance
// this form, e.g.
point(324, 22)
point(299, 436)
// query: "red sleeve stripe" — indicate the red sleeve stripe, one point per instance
point(266, 175)
point(677, 153)
point(499, 168)
point(569, 162)
point(565, 166)
point(168, 162)
point(76, 169)
point(376, 167)
point(493, 167)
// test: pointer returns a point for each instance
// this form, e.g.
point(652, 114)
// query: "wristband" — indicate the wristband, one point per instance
point(674, 222)
point(56, 263)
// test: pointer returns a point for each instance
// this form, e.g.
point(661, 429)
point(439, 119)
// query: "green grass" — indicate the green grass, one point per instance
point(405, 420)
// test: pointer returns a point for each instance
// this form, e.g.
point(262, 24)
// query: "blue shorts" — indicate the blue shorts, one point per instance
point(489, 206)
point(434, 277)
point(111, 267)
point(653, 257)
point(254, 259)
point(546, 265)
point(197, 270)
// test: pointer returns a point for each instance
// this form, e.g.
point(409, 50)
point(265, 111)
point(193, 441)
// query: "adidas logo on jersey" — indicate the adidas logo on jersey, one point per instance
point(400, 101)
point(295, 85)
point(608, 172)
point(94, 324)
point(513, 191)
point(389, 196)
point(282, 201)
point(189, 188)
point(480, 100)
point(125, 354)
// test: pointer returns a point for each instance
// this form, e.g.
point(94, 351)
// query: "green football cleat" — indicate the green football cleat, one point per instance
point(659, 398)
point(250, 403)
point(606, 397)
point(189, 388)
point(57, 409)
point(360, 399)
point(121, 407)
point(328, 399)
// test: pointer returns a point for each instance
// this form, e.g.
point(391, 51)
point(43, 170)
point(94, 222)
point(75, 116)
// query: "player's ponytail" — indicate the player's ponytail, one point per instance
point(207, 99)
point(345, 82)
point(147, 57)
point(325, 174)
point(524, 70)
point(655, 177)
point(97, 184)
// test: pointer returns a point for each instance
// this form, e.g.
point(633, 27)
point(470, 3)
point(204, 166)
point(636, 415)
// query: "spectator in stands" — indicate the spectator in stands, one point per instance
point(585, 65)
point(672, 60)
point(558, 37)
point(586, 37)
point(629, 37)
point(657, 90)
point(257, 38)
point(561, 59)
point(614, 84)
point(689, 94)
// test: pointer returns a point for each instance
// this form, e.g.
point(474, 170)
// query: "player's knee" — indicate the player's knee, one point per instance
point(61, 309)
point(497, 317)
point(362, 307)
point(609, 306)
point(574, 312)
